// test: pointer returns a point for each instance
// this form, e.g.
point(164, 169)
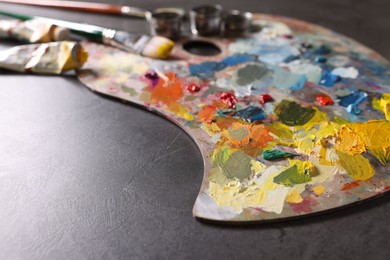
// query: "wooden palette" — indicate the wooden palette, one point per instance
point(319, 139)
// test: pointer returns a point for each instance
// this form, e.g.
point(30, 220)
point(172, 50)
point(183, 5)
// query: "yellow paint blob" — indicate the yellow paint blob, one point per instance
point(257, 167)
point(375, 135)
point(349, 142)
point(383, 104)
point(303, 166)
point(236, 195)
point(180, 111)
point(294, 197)
point(260, 192)
point(319, 189)
point(358, 167)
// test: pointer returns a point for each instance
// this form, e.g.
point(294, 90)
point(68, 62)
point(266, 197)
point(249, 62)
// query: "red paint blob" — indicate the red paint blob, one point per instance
point(287, 36)
point(264, 98)
point(305, 206)
point(324, 100)
point(229, 99)
point(349, 185)
point(193, 88)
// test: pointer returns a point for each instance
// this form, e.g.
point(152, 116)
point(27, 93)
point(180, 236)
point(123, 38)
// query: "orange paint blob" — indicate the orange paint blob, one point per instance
point(206, 114)
point(249, 138)
point(167, 91)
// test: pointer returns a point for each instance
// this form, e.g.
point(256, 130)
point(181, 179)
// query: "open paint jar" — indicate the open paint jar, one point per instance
point(205, 20)
point(166, 22)
point(236, 23)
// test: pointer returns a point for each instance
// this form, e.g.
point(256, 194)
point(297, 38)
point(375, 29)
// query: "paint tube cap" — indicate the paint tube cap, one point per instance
point(60, 34)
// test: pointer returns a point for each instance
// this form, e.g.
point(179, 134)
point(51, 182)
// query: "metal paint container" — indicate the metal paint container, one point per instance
point(205, 20)
point(166, 22)
point(236, 23)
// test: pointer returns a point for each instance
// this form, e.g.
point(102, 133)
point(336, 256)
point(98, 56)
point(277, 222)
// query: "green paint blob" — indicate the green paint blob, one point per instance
point(292, 176)
point(237, 166)
point(130, 91)
point(250, 73)
point(238, 134)
point(221, 156)
point(291, 113)
point(272, 155)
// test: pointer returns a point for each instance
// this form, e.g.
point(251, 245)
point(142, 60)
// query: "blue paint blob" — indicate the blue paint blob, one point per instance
point(249, 114)
point(300, 83)
point(328, 79)
point(353, 99)
point(285, 79)
point(238, 59)
point(320, 59)
point(322, 50)
point(291, 58)
point(207, 69)
point(353, 109)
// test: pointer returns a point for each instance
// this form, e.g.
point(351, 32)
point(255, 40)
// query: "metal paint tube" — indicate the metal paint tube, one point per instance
point(32, 31)
point(44, 58)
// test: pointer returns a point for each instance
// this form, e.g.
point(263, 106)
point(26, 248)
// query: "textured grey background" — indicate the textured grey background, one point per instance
point(86, 177)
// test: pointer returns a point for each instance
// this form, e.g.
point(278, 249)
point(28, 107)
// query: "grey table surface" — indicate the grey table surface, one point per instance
point(86, 177)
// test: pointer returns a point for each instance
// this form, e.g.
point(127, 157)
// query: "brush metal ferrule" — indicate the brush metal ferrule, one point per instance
point(134, 11)
point(125, 41)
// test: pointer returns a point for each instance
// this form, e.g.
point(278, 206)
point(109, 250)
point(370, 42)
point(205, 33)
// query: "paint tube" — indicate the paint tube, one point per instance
point(44, 58)
point(32, 31)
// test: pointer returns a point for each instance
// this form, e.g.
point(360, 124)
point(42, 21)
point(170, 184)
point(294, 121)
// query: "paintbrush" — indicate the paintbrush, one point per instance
point(85, 7)
point(150, 46)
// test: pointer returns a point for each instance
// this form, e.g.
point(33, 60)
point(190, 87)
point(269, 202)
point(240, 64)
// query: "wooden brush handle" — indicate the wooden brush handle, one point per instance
point(82, 6)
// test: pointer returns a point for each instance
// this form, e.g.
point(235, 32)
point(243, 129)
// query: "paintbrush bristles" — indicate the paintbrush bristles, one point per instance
point(158, 47)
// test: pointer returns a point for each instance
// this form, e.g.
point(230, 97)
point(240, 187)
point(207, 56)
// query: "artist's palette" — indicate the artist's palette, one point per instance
point(291, 120)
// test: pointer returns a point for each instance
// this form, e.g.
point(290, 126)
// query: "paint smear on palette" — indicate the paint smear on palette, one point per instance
point(291, 120)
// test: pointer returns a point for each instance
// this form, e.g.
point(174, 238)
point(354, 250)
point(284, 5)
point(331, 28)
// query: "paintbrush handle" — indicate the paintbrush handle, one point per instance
point(92, 32)
point(85, 7)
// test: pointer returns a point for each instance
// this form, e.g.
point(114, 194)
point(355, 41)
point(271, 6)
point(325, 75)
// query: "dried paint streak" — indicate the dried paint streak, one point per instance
point(298, 172)
point(272, 155)
point(358, 167)
point(292, 114)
